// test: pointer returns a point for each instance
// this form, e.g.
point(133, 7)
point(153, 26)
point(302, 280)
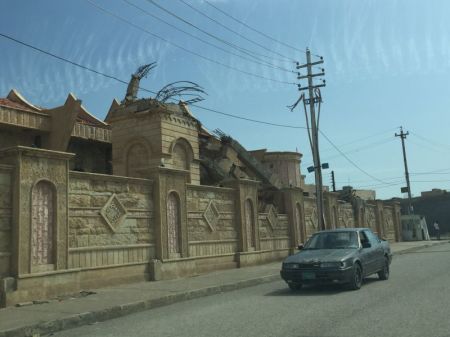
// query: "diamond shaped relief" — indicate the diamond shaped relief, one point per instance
point(272, 217)
point(113, 213)
point(211, 216)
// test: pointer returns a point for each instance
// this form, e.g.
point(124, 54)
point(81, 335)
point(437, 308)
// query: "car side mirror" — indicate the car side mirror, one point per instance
point(300, 246)
point(366, 244)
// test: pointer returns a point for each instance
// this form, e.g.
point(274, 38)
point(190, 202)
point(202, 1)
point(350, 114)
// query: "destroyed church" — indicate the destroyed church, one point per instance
point(146, 194)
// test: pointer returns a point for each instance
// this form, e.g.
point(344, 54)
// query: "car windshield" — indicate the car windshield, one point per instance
point(333, 240)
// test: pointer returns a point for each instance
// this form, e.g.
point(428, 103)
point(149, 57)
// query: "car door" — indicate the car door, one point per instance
point(378, 251)
point(366, 255)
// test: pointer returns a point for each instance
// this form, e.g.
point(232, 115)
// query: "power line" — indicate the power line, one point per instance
point(351, 161)
point(446, 170)
point(256, 30)
point(249, 119)
point(358, 140)
point(367, 146)
point(232, 45)
point(144, 89)
point(359, 149)
point(235, 32)
point(263, 63)
point(429, 140)
point(120, 18)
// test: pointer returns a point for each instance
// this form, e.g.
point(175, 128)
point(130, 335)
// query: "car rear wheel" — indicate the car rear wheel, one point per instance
point(356, 281)
point(295, 285)
point(383, 274)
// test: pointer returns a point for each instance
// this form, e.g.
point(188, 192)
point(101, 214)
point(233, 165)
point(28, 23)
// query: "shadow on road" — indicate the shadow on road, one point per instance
point(319, 290)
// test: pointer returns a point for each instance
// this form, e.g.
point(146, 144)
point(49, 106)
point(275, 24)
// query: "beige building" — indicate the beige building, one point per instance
point(147, 194)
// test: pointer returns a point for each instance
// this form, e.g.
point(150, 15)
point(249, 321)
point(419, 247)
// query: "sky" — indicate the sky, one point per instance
point(387, 64)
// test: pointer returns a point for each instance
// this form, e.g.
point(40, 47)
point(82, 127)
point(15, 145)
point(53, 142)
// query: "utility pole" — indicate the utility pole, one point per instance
point(314, 97)
point(402, 136)
point(333, 181)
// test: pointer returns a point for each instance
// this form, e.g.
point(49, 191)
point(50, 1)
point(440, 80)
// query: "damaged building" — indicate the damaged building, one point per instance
point(146, 194)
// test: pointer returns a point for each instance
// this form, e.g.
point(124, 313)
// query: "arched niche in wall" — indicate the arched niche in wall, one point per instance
point(173, 225)
point(43, 229)
point(137, 159)
point(182, 154)
point(250, 224)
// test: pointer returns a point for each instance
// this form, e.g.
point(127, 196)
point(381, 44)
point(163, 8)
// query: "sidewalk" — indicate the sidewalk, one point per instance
point(107, 303)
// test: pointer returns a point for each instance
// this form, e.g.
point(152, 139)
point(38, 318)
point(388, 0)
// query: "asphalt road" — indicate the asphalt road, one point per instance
point(415, 301)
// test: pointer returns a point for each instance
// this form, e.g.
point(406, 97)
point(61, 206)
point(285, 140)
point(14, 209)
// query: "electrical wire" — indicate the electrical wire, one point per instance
point(263, 63)
point(232, 45)
point(235, 32)
point(120, 18)
point(255, 30)
point(429, 140)
point(367, 146)
point(351, 161)
point(141, 88)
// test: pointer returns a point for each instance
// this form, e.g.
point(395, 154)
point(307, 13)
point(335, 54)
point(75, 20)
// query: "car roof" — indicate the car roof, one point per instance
point(343, 230)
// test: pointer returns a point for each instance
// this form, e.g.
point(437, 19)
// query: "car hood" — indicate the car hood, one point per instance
point(328, 255)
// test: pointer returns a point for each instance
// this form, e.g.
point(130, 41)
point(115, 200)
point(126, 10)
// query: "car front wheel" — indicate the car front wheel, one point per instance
point(295, 285)
point(356, 281)
point(383, 274)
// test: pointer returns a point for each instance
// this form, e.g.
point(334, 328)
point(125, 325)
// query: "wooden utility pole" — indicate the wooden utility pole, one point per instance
point(402, 136)
point(314, 136)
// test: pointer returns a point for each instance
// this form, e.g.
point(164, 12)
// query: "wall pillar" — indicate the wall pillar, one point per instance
point(379, 217)
point(331, 210)
point(169, 181)
point(291, 203)
point(246, 194)
point(397, 221)
point(31, 167)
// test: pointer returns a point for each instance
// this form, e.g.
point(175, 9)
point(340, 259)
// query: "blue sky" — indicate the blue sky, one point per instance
point(387, 64)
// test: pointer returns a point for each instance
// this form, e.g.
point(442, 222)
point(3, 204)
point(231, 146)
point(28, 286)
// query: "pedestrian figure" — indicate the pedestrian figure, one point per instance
point(437, 230)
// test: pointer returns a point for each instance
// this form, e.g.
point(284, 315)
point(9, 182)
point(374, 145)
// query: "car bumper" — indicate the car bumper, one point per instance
point(317, 276)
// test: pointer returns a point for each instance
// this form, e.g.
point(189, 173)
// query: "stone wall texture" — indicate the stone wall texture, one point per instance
point(212, 228)
point(5, 219)
point(110, 220)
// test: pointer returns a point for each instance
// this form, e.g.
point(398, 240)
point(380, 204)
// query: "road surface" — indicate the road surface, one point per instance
point(415, 301)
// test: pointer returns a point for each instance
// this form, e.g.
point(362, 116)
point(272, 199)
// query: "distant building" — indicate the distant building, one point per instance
point(433, 193)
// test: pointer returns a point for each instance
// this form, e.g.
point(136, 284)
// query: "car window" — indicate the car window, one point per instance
point(373, 239)
point(363, 237)
point(333, 240)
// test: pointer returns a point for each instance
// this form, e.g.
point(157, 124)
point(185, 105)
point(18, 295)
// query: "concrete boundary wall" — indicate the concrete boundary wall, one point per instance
point(98, 230)
point(95, 240)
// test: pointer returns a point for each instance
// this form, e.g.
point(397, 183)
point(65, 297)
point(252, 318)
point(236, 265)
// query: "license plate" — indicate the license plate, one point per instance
point(309, 276)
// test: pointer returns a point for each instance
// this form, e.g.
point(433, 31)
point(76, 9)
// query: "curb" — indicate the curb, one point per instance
point(86, 318)
point(413, 249)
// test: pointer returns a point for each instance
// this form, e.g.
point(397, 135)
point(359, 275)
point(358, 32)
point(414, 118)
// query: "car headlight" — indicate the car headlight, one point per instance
point(331, 265)
point(291, 266)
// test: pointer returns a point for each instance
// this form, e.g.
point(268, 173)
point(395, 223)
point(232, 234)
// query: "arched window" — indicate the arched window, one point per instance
point(137, 159)
point(249, 224)
point(173, 225)
point(42, 224)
